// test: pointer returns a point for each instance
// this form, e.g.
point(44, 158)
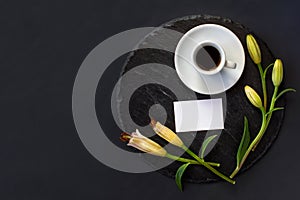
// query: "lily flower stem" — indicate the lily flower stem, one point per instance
point(263, 84)
point(213, 170)
point(190, 161)
point(213, 164)
point(185, 160)
point(254, 142)
point(272, 105)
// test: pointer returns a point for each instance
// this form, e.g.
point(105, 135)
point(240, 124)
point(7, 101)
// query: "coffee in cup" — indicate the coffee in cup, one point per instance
point(209, 58)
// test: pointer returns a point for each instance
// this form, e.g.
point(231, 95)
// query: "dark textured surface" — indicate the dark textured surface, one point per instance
point(237, 106)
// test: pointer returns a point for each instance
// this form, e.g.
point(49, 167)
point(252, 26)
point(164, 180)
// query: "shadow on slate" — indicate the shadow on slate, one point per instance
point(238, 106)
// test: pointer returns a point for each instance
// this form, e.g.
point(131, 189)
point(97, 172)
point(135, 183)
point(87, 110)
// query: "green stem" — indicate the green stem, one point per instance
point(213, 164)
point(213, 170)
point(254, 142)
point(263, 84)
point(272, 105)
point(172, 157)
point(189, 160)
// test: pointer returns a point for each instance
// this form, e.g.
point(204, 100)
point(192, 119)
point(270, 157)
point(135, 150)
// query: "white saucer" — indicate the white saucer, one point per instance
point(209, 84)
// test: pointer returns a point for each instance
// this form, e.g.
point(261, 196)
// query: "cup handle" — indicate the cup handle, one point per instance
point(230, 64)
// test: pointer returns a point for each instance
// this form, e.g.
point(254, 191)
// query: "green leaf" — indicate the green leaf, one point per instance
point(274, 109)
point(244, 142)
point(266, 70)
point(179, 174)
point(205, 144)
point(284, 91)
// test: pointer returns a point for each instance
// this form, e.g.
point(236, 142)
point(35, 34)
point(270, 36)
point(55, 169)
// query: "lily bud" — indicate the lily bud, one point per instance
point(253, 97)
point(166, 133)
point(253, 49)
point(277, 73)
point(142, 143)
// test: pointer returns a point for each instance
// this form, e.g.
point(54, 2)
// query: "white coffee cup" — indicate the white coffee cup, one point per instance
point(210, 53)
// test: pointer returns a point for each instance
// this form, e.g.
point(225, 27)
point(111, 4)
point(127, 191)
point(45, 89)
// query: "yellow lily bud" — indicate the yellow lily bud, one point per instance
point(253, 97)
point(277, 73)
point(142, 143)
point(253, 49)
point(166, 133)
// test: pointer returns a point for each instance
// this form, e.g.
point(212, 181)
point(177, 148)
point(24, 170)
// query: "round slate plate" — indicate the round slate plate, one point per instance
point(235, 102)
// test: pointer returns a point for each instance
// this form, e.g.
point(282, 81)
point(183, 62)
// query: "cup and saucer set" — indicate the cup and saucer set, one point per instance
point(209, 59)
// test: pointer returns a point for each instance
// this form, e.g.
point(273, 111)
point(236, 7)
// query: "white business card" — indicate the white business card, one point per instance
point(198, 115)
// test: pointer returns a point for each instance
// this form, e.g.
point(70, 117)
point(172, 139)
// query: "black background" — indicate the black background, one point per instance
point(43, 43)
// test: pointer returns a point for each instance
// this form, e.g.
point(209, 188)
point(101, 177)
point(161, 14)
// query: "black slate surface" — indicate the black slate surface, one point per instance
point(236, 103)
